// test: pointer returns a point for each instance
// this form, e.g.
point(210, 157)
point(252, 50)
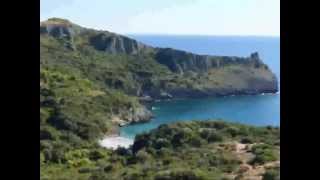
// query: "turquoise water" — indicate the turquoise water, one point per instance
point(255, 110)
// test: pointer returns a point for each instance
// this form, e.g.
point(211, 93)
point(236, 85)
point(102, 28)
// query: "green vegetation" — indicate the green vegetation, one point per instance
point(84, 86)
point(185, 150)
point(272, 174)
point(263, 153)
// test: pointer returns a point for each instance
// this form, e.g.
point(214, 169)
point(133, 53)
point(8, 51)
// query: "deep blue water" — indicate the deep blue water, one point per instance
point(254, 110)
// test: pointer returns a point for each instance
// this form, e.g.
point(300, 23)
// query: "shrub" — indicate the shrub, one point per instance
point(196, 141)
point(57, 155)
point(214, 137)
point(180, 174)
point(233, 131)
point(205, 133)
point(263, 153)
point(99, 176)
point(71, 138)
point(76, 154)
point(271, 174)
point(79, 162)
point(161, 142)
point(123, 151)
point(140, 142)
point(47, 153)
point(85, 170)
point(97, 154)
point(142, 156)
point(180, 137)
point(42, 158)
point(219, 125)
point(164, 152)
point(246, 140)
point(45, 144)
point(48, 133)
point(108, 168)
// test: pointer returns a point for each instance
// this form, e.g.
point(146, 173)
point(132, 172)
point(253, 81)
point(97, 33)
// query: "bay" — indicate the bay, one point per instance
point(259, 110)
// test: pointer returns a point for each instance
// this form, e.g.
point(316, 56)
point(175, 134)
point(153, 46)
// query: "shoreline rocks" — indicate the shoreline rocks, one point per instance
point(137, 115)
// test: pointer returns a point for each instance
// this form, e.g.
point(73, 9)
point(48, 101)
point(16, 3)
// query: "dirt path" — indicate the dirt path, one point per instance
point(247, 171)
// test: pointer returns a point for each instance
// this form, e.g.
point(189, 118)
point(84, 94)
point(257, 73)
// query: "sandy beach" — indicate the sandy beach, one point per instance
point(113, 142)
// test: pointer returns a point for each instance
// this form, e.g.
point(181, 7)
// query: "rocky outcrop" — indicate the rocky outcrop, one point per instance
point(62, 29)
point(58, 30)
point(134, 115)
point(100, 40)
point(181, 61)
point(141, 114)
point(111, 43)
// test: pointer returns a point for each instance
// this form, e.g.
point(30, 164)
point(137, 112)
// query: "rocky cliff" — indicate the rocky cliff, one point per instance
point(201, 67)
point(181, 61)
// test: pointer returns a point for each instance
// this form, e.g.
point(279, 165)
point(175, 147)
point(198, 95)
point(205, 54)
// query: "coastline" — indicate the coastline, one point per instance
point(154, 100)
point(149, 104)
point(115, 140)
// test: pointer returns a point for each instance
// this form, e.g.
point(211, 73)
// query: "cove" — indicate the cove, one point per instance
point(258, 110)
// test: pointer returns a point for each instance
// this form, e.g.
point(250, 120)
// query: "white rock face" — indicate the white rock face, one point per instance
point(113, 142)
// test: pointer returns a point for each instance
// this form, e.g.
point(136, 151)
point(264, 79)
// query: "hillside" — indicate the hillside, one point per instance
point(114, 62)
point(92, 81)
point(196, 150)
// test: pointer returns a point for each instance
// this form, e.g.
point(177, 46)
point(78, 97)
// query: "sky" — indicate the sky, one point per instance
point(183, 17)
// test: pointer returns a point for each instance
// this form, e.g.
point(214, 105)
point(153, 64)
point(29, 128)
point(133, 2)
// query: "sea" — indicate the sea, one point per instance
point(257, 110)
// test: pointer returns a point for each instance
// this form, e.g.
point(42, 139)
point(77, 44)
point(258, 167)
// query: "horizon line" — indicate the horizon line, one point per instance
point(216, 35)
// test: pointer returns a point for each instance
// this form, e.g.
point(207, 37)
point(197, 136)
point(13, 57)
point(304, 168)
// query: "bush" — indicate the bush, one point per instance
point(97, 154)
point(45, 144)
point(71, 138)
point(211, 135)
point(140, 142)
point(205, 133)
point(56, 155)
point(42, 158)
point(263, 153)
point(123, 151)
point(47, 153)
point(142, 156)
point(99, 176)
point(233, 131)
point(84, 170)
point(271, 174)
point(219, 125)
point(48, 133)
point(180, 136)
point(164, 152)
point(214, 137)
point(108, 168)
point(196, 141)
point(161, 142)
point(79, 162)
point(180, 174)
point(246, 140)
